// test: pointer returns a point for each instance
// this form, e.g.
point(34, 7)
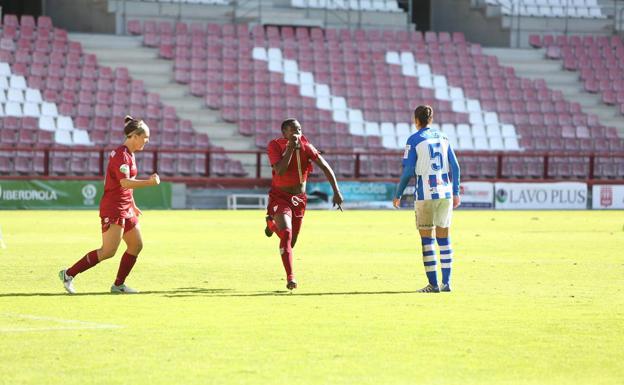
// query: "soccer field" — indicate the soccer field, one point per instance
point(538, 299)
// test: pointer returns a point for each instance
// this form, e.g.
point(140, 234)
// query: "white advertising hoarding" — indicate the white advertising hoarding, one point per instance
point(563, 195)
point(608, 197)
point(477, 195)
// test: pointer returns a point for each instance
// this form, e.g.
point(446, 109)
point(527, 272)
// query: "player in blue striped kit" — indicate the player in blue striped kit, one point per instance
point(429, 157)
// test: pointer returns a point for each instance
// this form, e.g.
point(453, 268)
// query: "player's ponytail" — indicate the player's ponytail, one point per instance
point(133, 126)
point(423, 115)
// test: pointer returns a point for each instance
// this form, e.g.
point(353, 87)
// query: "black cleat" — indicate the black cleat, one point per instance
point(429, 289)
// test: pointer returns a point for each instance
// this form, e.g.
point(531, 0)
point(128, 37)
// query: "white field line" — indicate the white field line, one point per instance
point(66, 324)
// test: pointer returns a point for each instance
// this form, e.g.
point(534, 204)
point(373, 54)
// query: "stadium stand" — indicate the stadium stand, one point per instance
point(550, 8)
point(52, 94)
point(598, 60)
point(351, 89)
point(355, 5)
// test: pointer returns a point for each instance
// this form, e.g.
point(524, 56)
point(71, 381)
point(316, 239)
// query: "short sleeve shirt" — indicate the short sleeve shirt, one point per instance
point(308, 153)
point(117, 201)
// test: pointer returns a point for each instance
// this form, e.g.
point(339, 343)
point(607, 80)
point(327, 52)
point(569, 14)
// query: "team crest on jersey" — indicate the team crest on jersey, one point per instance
point(407, 150)
point(124, 168)
point(275, 208)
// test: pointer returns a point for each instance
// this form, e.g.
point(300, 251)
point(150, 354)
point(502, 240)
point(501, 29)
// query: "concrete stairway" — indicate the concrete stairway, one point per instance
point(531, 63)
point(157, 74)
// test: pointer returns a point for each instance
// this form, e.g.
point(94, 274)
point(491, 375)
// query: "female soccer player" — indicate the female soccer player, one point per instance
point(118, 212)
point(291, 158)
point(429, 157)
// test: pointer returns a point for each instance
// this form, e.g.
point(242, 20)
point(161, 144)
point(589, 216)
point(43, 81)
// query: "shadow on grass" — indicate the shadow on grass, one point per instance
point(286, 293)
point(204, 292)
point(183, 291)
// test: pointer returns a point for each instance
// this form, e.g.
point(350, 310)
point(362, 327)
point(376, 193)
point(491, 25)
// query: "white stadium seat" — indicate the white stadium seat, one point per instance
point(49, 109)
point(64, 123)
point(372, 128)
point(13, 109)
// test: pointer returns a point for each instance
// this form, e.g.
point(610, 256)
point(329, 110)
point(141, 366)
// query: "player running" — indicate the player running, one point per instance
point(118, 212)
point(291, 158)
point(429, 157)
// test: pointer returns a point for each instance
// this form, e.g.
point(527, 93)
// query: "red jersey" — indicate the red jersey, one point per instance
point(307, 153)
point(117, 201)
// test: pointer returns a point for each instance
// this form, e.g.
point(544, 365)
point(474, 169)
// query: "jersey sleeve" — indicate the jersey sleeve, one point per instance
point(409, 155)
point(455, 171)
point(409, 166)
point(121, 164)
point(311, 151)
point(274, 152)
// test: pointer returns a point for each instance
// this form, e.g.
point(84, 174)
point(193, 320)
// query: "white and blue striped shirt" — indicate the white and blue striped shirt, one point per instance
point(429, 157)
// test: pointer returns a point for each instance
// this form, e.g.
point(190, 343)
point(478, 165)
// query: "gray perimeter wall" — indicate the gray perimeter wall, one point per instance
point(80, 15)
point(457, 16)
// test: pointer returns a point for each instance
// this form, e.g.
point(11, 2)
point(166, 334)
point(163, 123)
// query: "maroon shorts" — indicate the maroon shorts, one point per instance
point(293, 205)
point(127, 223)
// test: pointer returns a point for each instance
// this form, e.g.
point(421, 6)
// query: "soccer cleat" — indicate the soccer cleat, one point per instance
point(68, 281)
point(122, 289)
point(445, 287)
point(292, 284)
point(429, 289)
point(267, 230)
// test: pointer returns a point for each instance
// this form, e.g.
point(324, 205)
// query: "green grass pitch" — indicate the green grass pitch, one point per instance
point(538, 299)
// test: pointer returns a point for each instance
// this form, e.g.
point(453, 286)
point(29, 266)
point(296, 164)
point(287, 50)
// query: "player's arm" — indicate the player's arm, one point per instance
point(455, 174)
point(409, 168)
point(280, 163)
point(331, 178)
point(132, 183)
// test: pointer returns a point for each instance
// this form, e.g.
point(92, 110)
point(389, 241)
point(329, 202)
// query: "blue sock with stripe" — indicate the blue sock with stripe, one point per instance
point(446, 258)
point(429, 260)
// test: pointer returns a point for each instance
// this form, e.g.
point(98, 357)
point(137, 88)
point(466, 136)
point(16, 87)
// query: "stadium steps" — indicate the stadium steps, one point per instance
point(157, 74)
point(530, 63)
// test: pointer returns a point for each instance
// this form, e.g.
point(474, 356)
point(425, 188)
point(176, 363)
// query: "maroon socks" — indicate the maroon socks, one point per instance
point(85, 263)
point(286, 252)
point(125, 266)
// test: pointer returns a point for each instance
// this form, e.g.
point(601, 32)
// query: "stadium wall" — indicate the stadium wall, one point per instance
point(80, 16)
point(459, 16)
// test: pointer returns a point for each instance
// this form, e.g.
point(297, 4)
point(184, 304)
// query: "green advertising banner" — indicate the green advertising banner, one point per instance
point(48, 194)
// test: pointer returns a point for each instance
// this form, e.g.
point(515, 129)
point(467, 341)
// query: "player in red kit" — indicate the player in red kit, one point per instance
point(118, 212)
point(291, 158)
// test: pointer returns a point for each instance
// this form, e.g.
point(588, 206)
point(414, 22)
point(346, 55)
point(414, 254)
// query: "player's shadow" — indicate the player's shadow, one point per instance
point(287, 293)
point(183, 291)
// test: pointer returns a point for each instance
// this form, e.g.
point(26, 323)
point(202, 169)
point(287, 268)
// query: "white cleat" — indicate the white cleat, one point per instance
point(123, 289)
point(68, 281)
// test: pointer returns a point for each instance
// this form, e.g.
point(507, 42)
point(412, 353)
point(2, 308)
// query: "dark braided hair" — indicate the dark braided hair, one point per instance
point(423, 115)
point(133, 126)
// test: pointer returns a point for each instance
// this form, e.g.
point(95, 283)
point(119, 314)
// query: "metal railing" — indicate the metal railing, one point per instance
point(356, 169)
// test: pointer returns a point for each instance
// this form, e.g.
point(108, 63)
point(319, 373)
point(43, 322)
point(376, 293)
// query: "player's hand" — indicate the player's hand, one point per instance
point(456, 201)
point(396, 202)
point(155, 179)
point(338, 199)
point(294, 141)
point(137, 211)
